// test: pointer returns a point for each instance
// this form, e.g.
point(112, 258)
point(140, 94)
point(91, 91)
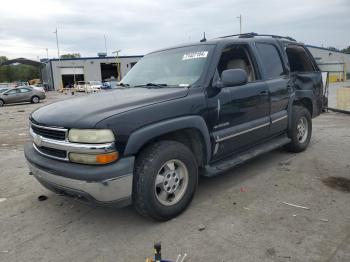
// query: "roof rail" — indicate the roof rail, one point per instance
point(252, 34)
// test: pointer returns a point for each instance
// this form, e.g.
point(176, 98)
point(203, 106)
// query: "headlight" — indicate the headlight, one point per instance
point(91, 136)
point(93, 159)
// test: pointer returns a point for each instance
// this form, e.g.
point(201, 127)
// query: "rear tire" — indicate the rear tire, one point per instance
point(300, 130)
point(165, 180)
point(2, 102)
point(35, 100)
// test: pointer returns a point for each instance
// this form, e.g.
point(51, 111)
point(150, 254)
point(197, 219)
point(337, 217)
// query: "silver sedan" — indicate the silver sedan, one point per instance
point(22, 94)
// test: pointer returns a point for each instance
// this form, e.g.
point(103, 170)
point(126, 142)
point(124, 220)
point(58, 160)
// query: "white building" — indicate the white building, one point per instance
point(334, 62)
point(58, 73)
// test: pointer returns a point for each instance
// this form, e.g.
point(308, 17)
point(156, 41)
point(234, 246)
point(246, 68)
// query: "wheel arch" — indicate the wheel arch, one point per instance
point(189, 130)
point(301, 98)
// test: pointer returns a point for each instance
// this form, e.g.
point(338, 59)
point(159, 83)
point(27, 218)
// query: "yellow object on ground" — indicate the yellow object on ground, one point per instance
point(336, 77)
point(343, 98)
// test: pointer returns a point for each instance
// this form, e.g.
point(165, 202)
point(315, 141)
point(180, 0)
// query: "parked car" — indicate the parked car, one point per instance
point(80, 86)
point(197, 109)
point(2, 90)
point(106, 85)
point(38, 87)
point(21, 94)
point(94, 85)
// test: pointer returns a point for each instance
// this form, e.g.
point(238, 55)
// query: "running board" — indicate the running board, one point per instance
point(239, 158)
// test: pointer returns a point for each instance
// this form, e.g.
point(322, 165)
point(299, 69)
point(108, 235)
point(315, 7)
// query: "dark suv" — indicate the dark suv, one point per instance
point(196, 109)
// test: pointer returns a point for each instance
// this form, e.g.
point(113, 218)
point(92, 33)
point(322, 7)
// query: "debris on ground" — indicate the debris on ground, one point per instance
point(201, 227)
point(293, 205)
point(337, 182)
point(246, 208)
point(3, 199)
point(324, 220)
point(243, 190)
point(42, 198)
point(271, 251)
point(4, 251)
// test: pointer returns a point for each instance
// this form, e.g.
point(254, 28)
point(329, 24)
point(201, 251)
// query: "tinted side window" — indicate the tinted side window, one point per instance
point(24, 90)
point(11, 92)
point(299, 60)
point(271, 60)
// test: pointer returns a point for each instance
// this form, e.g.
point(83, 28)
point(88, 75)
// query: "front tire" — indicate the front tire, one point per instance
point(165, 180)
point(300, 130)
point(2, 102)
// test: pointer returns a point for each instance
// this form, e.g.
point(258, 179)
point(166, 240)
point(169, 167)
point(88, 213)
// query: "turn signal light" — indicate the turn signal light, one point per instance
point(93, 159)
point(107, 158)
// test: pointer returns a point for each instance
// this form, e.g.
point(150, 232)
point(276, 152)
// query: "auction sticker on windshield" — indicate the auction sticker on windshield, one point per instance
point(194, 55)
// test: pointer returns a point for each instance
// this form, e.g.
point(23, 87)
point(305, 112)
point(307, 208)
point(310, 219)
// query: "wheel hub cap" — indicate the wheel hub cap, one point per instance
point(302, 130)
point(171, 182)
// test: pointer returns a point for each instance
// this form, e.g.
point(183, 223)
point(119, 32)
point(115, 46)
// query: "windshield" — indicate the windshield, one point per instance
point(2, 90)
point(175, 67)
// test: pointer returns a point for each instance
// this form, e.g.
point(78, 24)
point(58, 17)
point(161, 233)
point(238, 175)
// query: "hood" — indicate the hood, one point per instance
point(87, 111)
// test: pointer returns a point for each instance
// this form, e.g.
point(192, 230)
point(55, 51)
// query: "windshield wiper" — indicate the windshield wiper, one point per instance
point(152, 85)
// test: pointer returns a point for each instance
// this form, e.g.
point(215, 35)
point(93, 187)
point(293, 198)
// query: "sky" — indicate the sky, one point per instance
point(141, 26)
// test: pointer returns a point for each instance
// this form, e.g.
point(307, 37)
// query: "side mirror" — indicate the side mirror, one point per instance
point(233, 77)
point(6, 94)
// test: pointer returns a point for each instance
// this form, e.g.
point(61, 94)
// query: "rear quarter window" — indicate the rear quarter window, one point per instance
point(271, 60)
point(24, 90)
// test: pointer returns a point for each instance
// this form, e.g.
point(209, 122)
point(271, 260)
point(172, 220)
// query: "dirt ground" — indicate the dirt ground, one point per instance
point(239, 216)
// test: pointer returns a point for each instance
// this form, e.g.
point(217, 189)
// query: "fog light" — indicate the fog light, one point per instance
point(93, 159)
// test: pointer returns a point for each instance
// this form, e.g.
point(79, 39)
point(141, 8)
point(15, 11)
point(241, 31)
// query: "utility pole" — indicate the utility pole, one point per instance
point(59, 59)
point(118, 62)
point(240, 23)
point(58, 48)
point(47, 53)
point(105, 43)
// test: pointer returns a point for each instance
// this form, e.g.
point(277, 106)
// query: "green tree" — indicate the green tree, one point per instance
point(3, 59)
point(73, 55)
point(17, 72)
point(346, 50)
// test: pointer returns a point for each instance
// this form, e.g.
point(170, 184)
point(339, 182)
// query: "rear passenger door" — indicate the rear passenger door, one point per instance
point(24, 94)
point(280, 88)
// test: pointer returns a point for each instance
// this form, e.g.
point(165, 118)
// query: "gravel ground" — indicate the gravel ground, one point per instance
point(239, 216)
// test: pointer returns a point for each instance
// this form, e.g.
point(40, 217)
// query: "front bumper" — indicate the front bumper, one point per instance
point(106, 185)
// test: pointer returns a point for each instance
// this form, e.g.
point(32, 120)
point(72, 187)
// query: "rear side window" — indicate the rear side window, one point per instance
point(299, 60)
point(24, 90)
point(271, 60)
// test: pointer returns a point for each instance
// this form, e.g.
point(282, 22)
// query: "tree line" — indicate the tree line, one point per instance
point(21, 72)
point(17, 72)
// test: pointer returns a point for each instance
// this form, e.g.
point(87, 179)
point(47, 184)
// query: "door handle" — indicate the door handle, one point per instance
point(263, 93)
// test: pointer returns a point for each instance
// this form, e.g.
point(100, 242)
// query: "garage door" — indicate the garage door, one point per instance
point(72, 71)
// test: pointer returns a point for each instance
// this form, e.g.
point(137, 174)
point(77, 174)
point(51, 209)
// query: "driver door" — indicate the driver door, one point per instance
point(239, 114)
point(11, 96)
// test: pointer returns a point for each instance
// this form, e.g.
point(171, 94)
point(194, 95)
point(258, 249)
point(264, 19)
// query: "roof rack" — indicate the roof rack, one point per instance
point(252, 35)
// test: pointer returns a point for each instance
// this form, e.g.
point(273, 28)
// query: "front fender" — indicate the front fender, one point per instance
point(141, 136)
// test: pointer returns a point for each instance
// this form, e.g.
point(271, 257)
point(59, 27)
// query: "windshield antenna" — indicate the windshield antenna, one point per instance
point(203, 39)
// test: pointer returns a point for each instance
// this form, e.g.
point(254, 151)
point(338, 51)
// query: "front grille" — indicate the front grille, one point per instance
point(49, 133)
point(53, 152)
